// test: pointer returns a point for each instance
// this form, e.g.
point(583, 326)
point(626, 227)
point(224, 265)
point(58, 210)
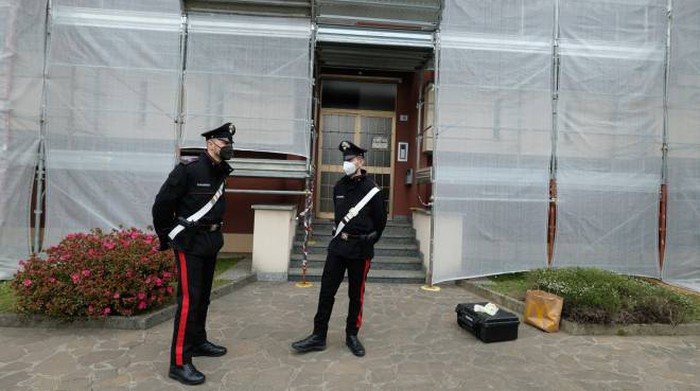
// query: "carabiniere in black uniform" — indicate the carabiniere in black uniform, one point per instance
point(351, 250)
point(189, 187)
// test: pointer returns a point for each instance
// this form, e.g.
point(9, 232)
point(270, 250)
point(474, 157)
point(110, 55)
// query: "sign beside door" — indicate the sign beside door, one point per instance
point(380, 143)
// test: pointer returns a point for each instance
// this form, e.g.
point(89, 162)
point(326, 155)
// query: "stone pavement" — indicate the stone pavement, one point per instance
point(411, 336)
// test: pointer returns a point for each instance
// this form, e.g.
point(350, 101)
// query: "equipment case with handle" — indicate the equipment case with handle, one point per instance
point(502, 326)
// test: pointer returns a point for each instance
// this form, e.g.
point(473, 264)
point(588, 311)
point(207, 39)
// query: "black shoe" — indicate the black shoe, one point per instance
point(186, 374)
point(355, 345)
point(310, 343)
point(208, 349)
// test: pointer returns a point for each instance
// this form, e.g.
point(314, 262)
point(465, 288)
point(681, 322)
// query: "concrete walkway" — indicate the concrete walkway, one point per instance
point(411, 336)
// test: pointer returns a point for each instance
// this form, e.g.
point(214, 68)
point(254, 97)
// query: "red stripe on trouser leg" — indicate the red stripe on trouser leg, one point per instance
point(362, 293)
point(183, 311)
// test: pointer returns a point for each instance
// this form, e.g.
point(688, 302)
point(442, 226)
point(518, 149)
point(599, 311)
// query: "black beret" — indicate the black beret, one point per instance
point(350, 149)
point(224, 132)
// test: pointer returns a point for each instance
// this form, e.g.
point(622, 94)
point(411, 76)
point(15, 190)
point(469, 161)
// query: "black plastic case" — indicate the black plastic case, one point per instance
point(503, 326)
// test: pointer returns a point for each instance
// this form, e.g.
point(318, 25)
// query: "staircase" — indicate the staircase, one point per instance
point(396, 256)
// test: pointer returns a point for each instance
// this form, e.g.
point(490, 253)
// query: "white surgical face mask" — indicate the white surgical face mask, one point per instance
point(349, 168)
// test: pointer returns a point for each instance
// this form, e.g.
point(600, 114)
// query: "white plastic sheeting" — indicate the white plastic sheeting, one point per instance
point(22, 31)
point(493, 150)
point(610, 127)
point(113, 84)
point(498, 103)
point(252, 71)
point(682, 264)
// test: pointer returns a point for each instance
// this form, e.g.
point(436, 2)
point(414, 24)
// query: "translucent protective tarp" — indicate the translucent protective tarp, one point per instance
point(22, 30)
point(493, 148)
point(682, 264)
point(129, 6)
point(112, 89)
point(610, 126)
point(253, 71)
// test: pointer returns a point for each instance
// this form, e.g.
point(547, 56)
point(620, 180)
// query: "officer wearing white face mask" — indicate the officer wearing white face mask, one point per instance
point(360, 218)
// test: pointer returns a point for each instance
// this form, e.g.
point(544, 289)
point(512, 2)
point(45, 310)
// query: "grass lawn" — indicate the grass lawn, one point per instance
point(7, 297)
point(516, 284)
point(222, 265)
point(513, 285)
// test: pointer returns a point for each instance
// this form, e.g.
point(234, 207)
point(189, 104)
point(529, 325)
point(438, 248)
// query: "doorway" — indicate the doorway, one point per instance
point(373, 130)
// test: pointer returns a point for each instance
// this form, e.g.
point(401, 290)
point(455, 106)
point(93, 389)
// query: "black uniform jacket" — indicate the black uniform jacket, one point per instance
point(188, 188)
point(372, 218)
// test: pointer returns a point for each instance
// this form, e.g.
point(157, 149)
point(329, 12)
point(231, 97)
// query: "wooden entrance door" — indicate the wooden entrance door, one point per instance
point(371, 130)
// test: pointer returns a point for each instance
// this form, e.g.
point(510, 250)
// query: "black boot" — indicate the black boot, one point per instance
point(186, 374)
point(208, 349)
point(355, 345)
point(310, 343)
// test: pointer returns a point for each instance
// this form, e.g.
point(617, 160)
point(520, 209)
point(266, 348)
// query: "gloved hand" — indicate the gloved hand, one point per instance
point(164, 242)
point(372, 237)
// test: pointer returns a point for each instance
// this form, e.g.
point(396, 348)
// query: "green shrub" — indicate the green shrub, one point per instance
point(598, 296)
point(95, 275)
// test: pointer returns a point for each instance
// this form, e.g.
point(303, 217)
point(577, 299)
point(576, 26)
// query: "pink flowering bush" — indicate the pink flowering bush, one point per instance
point(96, 274)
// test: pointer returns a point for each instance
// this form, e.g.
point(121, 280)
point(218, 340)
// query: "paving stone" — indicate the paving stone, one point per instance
point(13, 380)
point(55, 365)
point(13, 367)
point(101, 372)
point(12, 353)
point(116, 382)
point(101, 356)
point(70, 382)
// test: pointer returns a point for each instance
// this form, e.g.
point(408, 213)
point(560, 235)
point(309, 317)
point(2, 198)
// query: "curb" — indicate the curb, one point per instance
point(139, 322)
point(573, 328)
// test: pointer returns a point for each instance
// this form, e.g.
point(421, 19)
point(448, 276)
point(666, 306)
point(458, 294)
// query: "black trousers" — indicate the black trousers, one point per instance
point(195, 276)
point(333, 274)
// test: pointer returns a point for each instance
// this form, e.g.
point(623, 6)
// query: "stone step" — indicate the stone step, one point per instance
point(390, 222)
point(380, 249)
point(402, 229)
point(382, 262)
point(379, 275)
point(385, 239)
point(397, 258)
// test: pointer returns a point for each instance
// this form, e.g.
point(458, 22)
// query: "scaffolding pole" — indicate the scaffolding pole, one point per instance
point(307, 214)
point(552, 215)
point(41, 157)
point(429, 273)
point(180, 102)
point(663, 191)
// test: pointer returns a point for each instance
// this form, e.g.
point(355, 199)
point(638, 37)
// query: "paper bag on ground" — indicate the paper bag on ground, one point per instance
point(543, 310)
